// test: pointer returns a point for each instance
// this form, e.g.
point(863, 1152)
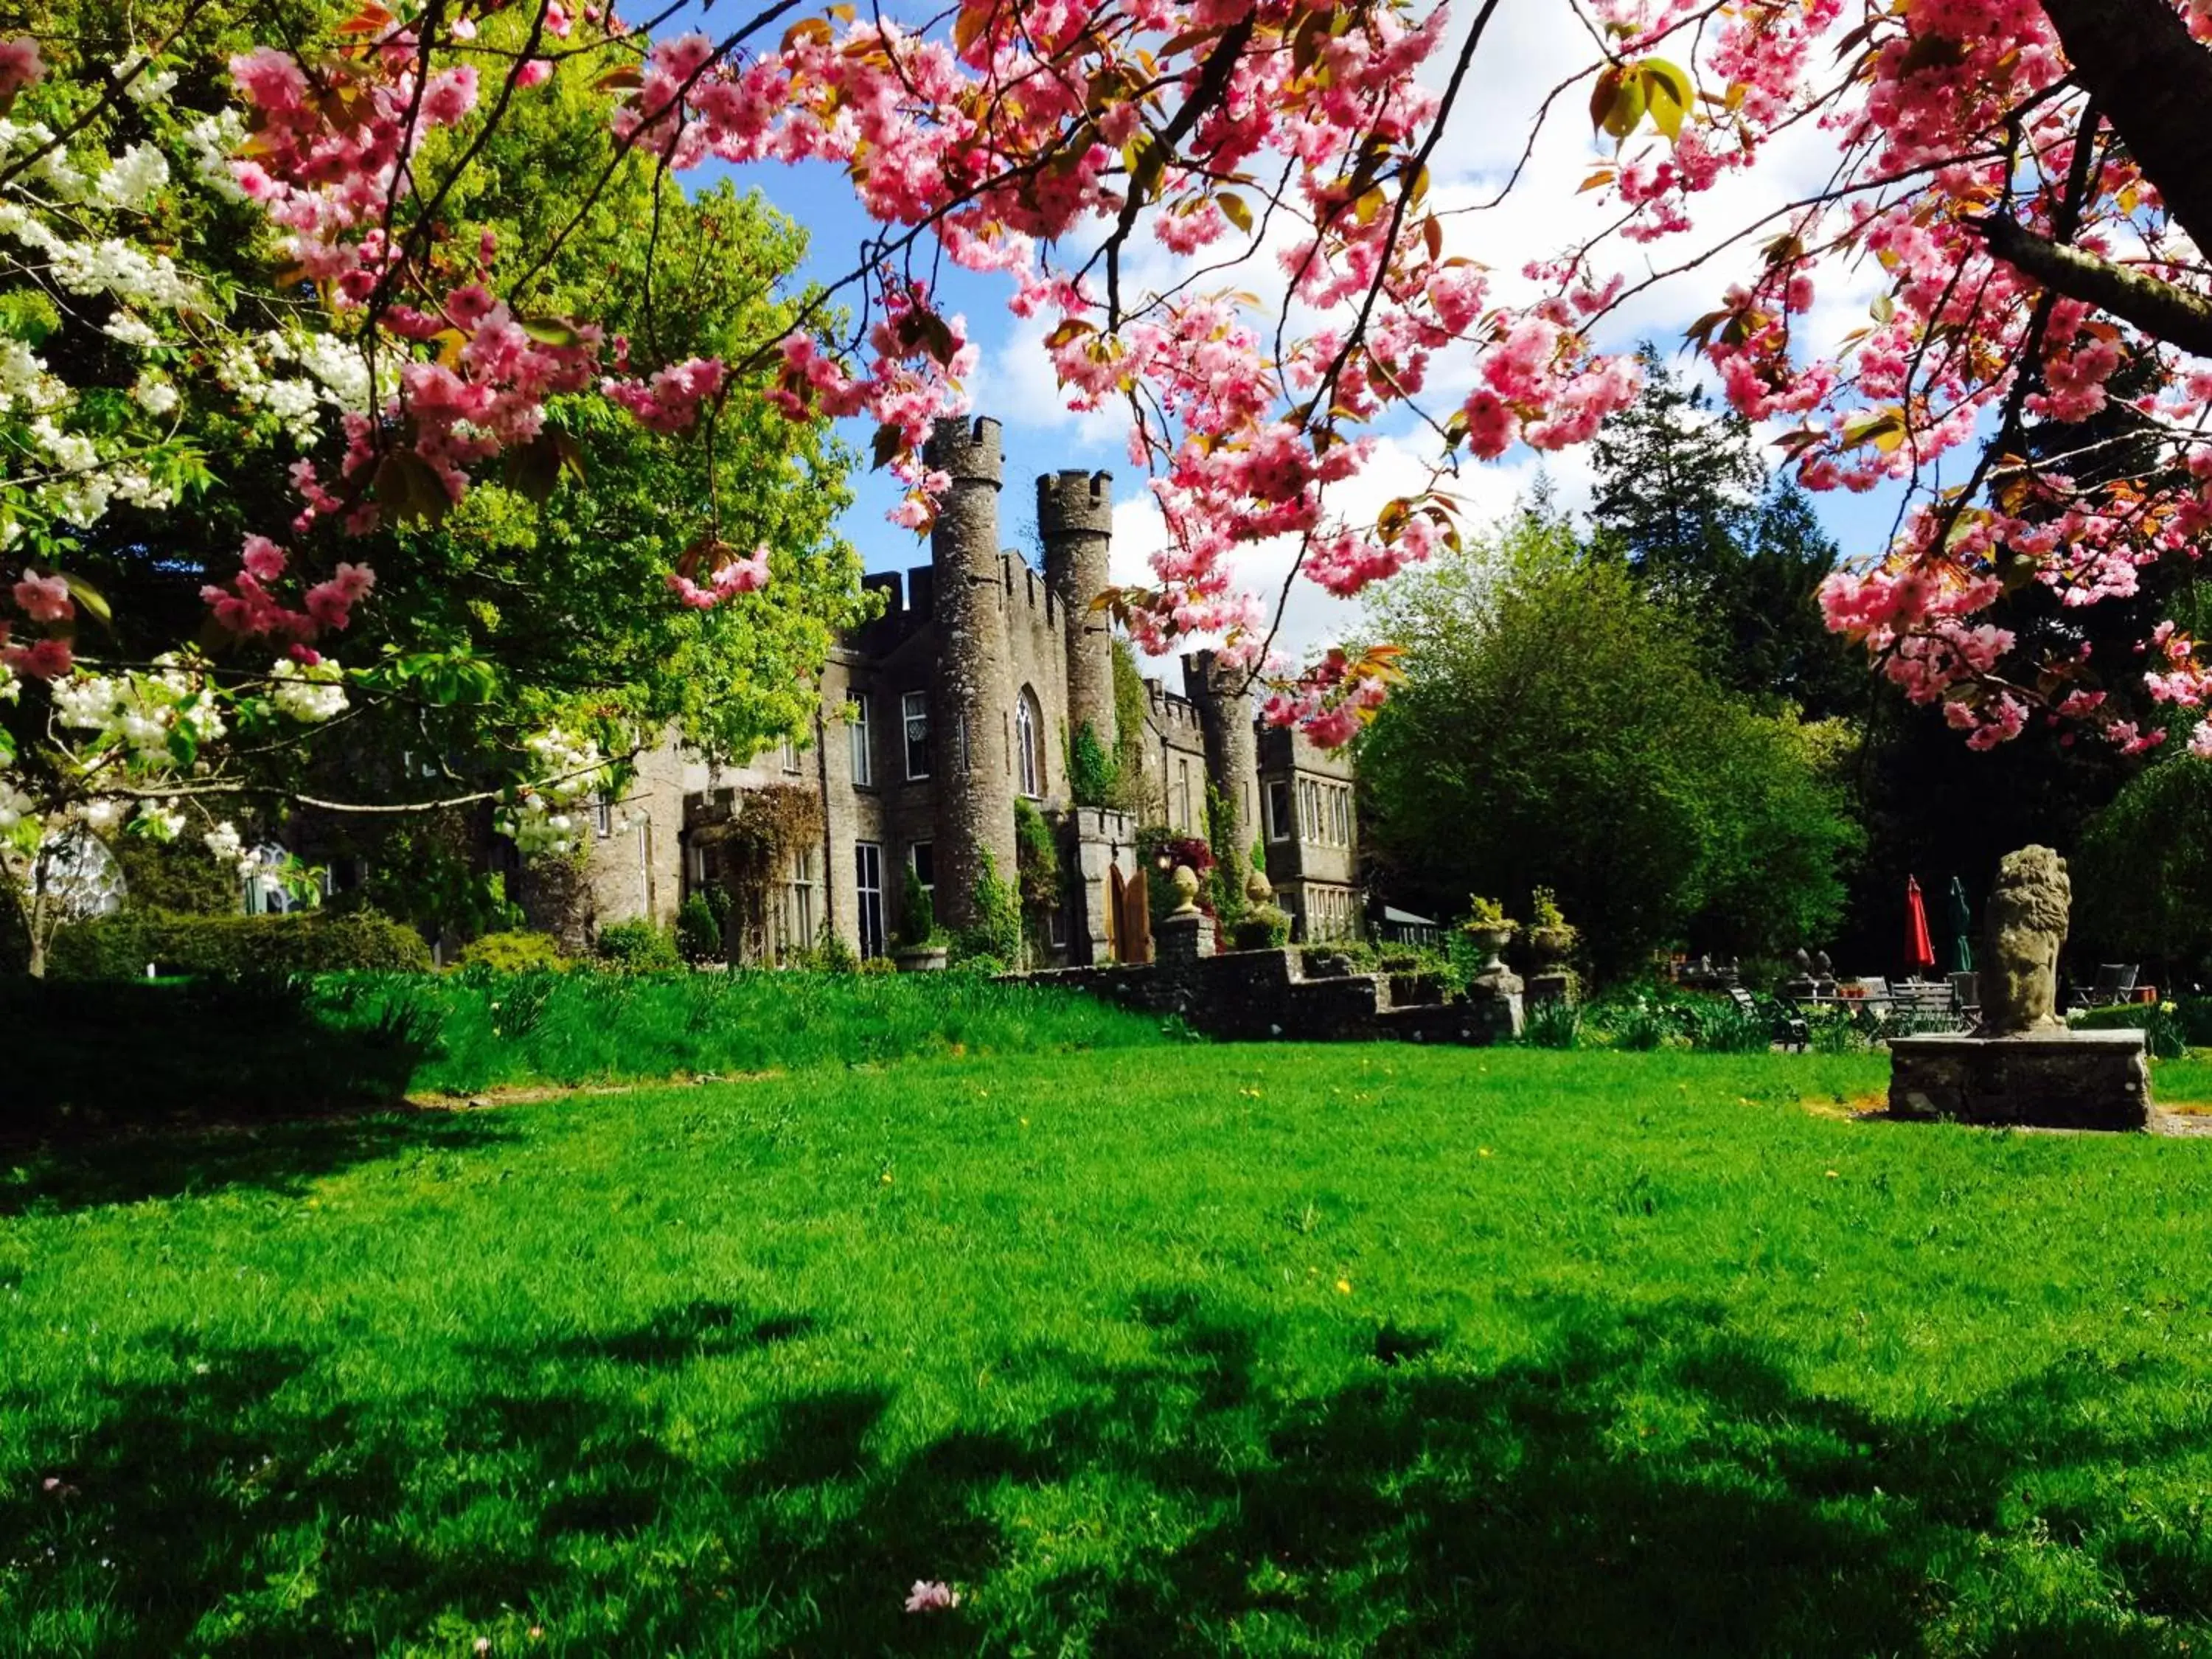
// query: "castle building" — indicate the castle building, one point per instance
point(963, 698)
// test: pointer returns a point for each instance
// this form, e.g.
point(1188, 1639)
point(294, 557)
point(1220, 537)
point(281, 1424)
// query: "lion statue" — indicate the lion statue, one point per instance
point(2027, 926)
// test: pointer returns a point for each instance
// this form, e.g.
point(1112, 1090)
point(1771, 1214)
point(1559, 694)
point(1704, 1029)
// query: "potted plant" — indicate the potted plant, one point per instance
point(1490, 929)
point(920, 945)
point(1551, 936)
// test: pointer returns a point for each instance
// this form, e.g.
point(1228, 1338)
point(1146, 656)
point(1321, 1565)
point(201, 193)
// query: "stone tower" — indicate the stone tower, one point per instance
point(1223, 698)
point(970, 695)
point(1075, 520)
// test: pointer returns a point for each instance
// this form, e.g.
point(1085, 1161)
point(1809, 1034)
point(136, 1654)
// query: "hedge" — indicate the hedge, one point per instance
point(235, 947)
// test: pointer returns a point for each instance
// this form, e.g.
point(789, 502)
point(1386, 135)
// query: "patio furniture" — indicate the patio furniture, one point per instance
point(2116, 981)
point(1925, 1005)
point(1790, 1028)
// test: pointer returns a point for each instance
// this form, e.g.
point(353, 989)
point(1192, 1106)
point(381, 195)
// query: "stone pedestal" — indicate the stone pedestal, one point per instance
point(1499, 995)
point(1175, 941)
point(2040, 1079)
point(1552, 985)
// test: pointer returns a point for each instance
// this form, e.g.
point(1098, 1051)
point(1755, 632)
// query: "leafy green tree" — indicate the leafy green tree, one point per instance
point(1684, 499)
point(1557, 730)
point(2142, 871)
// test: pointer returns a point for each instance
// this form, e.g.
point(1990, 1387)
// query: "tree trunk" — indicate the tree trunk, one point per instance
point(2154, 84)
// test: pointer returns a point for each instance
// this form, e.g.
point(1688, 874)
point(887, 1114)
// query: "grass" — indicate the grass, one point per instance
point(1163, 1351)
point(202, 1048)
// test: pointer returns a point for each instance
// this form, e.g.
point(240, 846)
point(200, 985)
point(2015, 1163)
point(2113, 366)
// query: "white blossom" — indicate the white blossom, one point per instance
point(136, 178)
point(160, 819)
point(224, 844)
point(130, 330)
point(212, 140)
point(150, 86)
point(15, 806)
point(155, 394)
point(312, 693)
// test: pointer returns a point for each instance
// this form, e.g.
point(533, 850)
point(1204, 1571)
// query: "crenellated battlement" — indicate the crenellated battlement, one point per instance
point(970, 452)
point(1074, 503)
point(1171, 714)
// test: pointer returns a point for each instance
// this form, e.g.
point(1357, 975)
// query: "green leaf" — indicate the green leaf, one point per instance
point(89, 599)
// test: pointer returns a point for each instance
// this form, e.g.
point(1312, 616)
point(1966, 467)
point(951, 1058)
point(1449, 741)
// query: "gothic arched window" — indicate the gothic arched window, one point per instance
point(1029, 743)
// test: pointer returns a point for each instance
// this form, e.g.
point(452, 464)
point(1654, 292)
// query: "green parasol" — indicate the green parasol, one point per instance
point(1961, 916)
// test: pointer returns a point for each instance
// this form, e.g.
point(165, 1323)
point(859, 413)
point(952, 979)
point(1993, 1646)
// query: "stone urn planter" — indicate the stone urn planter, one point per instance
point(1550, 946)
point(1492, 942)
point(921, 958)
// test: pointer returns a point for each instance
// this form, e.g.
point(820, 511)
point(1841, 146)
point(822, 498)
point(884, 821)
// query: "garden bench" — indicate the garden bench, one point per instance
point(1790, 1029)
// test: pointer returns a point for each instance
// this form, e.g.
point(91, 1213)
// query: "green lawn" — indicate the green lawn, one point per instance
point(1164, 1350)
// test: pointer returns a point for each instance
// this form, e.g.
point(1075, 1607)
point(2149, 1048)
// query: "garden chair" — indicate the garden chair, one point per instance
point(1789, 1027)
point(2116, 981)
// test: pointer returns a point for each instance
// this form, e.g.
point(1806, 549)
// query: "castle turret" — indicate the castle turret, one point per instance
point(1075, 520)
point(970, 696)
point(1223, 698)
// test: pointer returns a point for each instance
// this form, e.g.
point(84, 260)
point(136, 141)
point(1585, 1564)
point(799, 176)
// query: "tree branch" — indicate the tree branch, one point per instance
point(2159, 309)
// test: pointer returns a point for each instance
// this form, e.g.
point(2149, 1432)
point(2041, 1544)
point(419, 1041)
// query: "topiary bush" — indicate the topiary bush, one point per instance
point(639, 947)
point(235, 947)
point(698, 934)
point(514, 952)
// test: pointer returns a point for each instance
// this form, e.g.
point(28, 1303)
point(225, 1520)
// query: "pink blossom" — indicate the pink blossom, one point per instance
point(43, 660)
point(20, 66)
point(930, 1597)
point(45, 599)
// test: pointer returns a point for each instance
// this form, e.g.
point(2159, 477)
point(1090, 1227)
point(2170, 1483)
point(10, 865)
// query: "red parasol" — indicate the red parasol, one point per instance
point(1919, 954)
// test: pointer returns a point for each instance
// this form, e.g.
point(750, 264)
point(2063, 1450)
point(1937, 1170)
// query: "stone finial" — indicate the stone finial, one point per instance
point(1186, 886)
point(1259, 889)
point(2026, 926)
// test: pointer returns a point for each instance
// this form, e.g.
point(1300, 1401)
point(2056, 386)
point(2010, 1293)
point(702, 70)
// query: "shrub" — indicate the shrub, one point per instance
point(1556, 1023)
point(1036, 861)
point(513, 952)
point(1263, 928)
point(698, 934)
point(831, 955)
point(996, 932)
point(639, 947)
point(235, 947)
point(2159, 1023)
point(176, 877)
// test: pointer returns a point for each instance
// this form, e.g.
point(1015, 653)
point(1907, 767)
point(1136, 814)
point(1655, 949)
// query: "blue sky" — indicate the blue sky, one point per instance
point(1532, 45)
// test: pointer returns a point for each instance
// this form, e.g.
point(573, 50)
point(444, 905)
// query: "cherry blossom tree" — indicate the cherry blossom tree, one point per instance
point(2027, 174)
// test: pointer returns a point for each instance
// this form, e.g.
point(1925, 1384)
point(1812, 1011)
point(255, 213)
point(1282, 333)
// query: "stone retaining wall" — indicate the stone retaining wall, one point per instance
point(1258, 996)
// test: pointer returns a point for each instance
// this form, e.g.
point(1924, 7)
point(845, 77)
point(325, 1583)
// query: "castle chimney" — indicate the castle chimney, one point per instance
point(1075, 520)
point(971, 695)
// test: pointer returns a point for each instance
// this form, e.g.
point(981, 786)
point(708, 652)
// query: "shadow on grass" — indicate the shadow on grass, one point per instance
point(87, 1058)
point(280, 1159)
point(1418, 1510)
